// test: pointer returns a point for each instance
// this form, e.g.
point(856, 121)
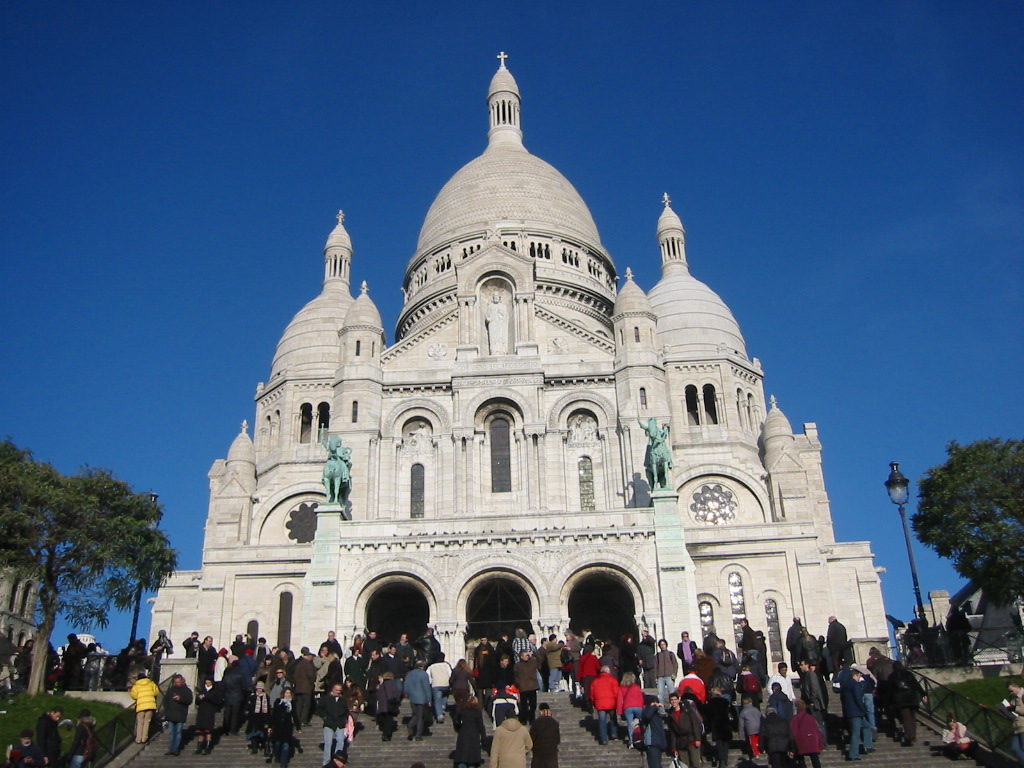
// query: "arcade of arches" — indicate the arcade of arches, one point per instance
point(498, 603)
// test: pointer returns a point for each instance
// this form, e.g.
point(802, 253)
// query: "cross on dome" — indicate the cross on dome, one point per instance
point(774, 403)
point(629, 274)
point(341, 217)
point(502, 56)
point(245, 426)
point(364, 288)
point(666, 199)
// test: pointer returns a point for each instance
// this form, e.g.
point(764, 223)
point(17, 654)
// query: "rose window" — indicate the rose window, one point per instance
point(714, 505)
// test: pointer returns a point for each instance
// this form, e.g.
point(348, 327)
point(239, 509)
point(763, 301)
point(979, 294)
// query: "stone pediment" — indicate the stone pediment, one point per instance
point(563, 325)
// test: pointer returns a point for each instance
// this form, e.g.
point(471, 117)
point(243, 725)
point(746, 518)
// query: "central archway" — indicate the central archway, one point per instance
point(397, 608)
point(498, 604)
point(603, 604)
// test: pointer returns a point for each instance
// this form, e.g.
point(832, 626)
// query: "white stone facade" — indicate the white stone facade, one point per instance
point(497, 453)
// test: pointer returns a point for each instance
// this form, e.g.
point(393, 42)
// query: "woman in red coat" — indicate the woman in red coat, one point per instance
point(810, 741)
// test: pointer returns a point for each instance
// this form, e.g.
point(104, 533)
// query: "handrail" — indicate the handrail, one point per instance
point(116, 735)
point(989, 727)
point(937, 647)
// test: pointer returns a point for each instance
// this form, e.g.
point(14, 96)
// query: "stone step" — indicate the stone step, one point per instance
point(579, 747)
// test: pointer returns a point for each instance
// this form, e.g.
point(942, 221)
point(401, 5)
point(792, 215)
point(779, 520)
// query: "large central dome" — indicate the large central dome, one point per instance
point(506, 187)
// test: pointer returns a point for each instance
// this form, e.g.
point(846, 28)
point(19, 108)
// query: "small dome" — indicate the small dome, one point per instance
point(692, 316)
point(309, 345)
point(776, 424)
point(631, 297)
point(363, 312)
point(669, 222)
point(339, 235)
point(503, 82)
point(242, 448)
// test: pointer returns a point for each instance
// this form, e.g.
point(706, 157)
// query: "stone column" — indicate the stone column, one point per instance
point(452, 637)
point(320, 590)
point(677, 582)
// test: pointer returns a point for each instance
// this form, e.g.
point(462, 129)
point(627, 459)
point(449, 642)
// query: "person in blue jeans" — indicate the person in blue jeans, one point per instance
point(852, 695)
point(177, 700)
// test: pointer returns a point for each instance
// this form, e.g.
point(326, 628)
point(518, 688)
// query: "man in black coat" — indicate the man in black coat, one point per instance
point(192, 645)
point(235, 688)
point(793, 638)
point(48, 736)
point(206, 657)
point(546, 736)
point(837, 641)
point(177, 700)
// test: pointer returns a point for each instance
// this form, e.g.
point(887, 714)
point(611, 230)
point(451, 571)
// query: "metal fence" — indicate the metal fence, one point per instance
point(989, 727)
point(113, 736)
point(935, 647)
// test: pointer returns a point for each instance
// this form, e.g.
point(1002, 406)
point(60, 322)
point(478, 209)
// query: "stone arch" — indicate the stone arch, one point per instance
point(611, 615)
point(283, 502)
point(506, 571)
point(603, 407)
point(516, 585)
point(632, 573)
point(392, 571)
point(495, 395)
point(418, 406)
point(294, 612)
point(394, 603)
point(753, 485)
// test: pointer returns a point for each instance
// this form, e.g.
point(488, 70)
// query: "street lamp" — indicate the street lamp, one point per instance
point(897, 486)
point(138, 590)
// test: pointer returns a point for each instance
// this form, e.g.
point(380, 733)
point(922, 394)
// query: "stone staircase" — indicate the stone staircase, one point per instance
point(579, 747)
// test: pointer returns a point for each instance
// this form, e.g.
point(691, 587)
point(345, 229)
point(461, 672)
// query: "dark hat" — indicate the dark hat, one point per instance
point(543, 705)
point(27, 733)
point(85, 713)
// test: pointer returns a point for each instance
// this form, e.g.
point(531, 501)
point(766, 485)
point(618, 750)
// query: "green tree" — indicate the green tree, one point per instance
point(971, 510)
point(88, 541)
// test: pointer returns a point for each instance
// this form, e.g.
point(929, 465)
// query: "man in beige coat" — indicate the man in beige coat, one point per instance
point(511, 743)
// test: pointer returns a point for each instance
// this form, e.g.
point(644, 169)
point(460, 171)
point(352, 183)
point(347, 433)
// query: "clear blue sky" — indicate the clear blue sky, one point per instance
point(849, 173)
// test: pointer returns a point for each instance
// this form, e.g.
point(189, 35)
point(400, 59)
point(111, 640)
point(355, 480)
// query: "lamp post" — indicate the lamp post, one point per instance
point(896, 486)
point(138, 590)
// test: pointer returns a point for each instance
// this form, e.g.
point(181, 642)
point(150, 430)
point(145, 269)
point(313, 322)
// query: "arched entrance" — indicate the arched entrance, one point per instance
point(604, 605)
point(499, 604)
point(397, 608)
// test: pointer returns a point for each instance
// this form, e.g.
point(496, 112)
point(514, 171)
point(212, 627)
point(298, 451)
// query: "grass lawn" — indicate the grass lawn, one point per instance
point(23, 712)
point(988, 691)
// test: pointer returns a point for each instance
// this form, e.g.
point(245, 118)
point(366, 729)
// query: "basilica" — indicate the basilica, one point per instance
point(496, 450)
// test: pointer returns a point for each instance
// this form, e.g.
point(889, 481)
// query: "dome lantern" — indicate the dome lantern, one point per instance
point(503, 102)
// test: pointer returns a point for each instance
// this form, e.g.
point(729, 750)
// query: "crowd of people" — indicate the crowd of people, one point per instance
point(708, 696)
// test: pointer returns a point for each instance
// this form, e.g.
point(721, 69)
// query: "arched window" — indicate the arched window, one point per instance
point(14, 596)
point(10, 632)
point(710, 404)
point(707, 617)
point(323, 416)
point(586, 473)
point(25, 595)
point(501, 456)
point(416, 484)
point(692, 406)
point(284, 620)
point(643, 398)
point(636, 334)
point(359, 346)
point(750, 411)
point(771, 614)
point(739, 408)
point(355, 411)
point(253, 629)
point(737, 603)
point(306, 423)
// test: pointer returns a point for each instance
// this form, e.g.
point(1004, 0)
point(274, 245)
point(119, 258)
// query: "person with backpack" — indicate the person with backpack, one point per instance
point(750, 685)
point(655, 738)
point(750, 727)
point(83, 747)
